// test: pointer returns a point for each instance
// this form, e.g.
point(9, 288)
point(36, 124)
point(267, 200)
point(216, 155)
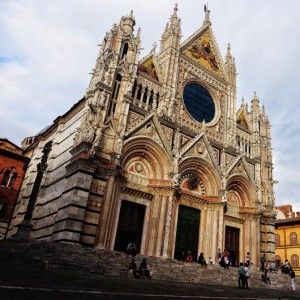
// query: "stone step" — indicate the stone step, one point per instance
point(60, 256)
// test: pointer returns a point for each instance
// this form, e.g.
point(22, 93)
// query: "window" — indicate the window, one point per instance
point(115, 94)
point(5, 178)
point(9, 177)
point(295, 261)
point(277, 261)
point(3, 208)
point(277, 240)
point(198, 102)
point(293, 238)
point(125, 50)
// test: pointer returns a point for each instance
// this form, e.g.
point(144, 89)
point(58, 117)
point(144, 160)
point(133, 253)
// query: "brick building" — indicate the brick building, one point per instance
point(12, 170)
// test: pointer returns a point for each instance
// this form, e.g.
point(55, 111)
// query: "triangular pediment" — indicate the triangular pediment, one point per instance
point(242, 119)
point(200, 147)
point(151, 128)
point(239, 168)
point(149, 67)
point(202, 48)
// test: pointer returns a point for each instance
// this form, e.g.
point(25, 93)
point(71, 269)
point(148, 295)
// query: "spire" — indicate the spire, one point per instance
point(228, 54)
point(207, 12)
point(230, 65)
point(175, 21)
point(243, 102)
point(172, 33)
point(138, 35)
point(153, 50)
point(175, 10)
point(255, 102)
point(128, 22)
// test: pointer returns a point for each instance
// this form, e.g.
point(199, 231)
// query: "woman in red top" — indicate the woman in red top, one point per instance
point(189, 257)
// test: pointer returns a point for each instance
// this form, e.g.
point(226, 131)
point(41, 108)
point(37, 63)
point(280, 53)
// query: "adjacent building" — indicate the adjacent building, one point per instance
point(156, 152)
point(287, 235)
point(12, 170)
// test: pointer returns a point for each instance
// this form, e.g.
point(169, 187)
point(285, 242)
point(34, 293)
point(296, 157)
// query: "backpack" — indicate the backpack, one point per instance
point(242, 271)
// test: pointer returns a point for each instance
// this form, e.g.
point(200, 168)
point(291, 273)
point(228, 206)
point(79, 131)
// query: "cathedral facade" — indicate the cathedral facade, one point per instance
point(156, 152)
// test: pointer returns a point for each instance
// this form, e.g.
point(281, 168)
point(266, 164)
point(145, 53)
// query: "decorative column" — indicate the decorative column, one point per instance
point(168, 219)
point(103, 227)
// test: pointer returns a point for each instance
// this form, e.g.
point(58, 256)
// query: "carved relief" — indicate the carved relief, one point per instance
point(202, 51)
point(133, 120)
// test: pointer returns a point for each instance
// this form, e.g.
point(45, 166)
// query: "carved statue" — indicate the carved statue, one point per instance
point(90, 129)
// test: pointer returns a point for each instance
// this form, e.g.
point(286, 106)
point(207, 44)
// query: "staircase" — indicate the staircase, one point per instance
point(33, 255)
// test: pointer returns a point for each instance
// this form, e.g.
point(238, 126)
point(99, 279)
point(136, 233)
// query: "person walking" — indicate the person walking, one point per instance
point(241, 278)
point(292, 274)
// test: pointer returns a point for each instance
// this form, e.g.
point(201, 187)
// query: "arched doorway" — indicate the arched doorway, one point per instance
point(187, 233)
point(237, 227)
point(130, 225)
point(144, 163)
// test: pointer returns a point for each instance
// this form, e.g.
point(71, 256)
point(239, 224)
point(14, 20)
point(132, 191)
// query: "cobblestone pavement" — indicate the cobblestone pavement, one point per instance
point(66, 285)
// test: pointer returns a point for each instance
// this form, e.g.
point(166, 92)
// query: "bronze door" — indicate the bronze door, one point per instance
point(130, 225)
point(187, 235)
point(232, 243)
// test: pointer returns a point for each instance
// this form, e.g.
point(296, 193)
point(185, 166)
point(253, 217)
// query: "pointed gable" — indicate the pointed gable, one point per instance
point(200, 146)
point(148, 67)
point(151, 128)
point(239, 168)
point(242, 120)
point(203, 49)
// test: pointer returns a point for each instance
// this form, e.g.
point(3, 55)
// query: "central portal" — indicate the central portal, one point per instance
point(187, 235)
point(232, 244)
point(130, 226)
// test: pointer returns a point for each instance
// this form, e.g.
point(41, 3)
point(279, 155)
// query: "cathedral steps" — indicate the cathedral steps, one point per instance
point(36, 256)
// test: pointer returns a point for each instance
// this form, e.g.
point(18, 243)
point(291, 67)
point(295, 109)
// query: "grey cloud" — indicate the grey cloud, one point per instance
point(57, 40)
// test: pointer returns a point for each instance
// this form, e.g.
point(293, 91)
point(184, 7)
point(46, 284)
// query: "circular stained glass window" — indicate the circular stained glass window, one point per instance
point(199, 102)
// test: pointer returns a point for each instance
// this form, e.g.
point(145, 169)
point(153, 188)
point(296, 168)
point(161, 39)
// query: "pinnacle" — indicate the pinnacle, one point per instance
point(228, 49)
point(207, 12)
point(174, 15)
point(175, 8)
point(131, 14)
point(255, 96)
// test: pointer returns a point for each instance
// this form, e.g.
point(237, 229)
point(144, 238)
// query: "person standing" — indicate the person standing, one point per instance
point(247, 259)
point(247, 276)
point(226, 259)
point(262, 262)
point(292, 274)
point(218, 256)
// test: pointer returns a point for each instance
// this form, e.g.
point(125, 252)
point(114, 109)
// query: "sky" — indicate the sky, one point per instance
point(48, 48)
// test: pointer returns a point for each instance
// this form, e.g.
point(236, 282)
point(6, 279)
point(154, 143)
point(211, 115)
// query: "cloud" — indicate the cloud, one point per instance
point(48, 48)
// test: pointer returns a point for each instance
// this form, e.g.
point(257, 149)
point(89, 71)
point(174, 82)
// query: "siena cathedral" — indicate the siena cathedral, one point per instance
point(156, 152)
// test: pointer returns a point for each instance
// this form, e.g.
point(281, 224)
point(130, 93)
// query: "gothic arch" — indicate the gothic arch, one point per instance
point(242, 190)
point(152, 156)
point(209, 177)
